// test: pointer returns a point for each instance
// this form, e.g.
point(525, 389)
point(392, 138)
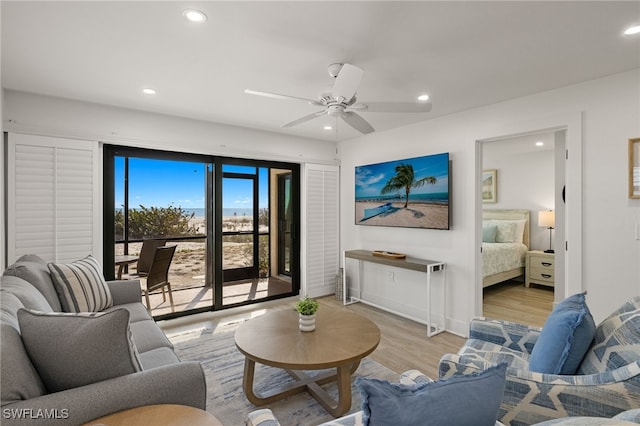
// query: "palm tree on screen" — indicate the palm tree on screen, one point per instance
point(405, 178)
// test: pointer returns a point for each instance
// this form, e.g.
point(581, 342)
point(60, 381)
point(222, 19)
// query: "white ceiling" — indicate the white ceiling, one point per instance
point(463, 54)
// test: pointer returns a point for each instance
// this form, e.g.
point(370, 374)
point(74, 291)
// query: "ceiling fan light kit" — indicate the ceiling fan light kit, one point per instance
point(341, 100)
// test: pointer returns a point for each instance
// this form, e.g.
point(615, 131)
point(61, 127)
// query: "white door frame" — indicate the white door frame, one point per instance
point(572, 124)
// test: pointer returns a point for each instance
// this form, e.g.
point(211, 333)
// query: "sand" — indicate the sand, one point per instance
point(416, 215)
point(188, 264)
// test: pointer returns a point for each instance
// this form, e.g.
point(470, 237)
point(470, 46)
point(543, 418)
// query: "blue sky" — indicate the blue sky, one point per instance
point(160, 183)
point(371, 178)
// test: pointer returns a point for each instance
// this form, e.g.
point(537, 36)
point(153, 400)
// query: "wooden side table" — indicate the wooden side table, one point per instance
point(161, 415)
point(540, 268)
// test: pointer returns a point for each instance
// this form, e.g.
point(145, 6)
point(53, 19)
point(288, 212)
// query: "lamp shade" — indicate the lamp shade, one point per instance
point(546, 219)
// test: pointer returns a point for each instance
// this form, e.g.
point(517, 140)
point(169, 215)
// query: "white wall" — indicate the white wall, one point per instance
point(610, 111)
point(2, 174)
point(37, 114)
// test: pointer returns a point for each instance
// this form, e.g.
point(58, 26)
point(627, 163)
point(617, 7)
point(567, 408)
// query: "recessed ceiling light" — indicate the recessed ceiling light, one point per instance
point(539, 143)
point(632, 30)
point(423, 98)
point(327, 127)
point(194, 15)
point(148, 91)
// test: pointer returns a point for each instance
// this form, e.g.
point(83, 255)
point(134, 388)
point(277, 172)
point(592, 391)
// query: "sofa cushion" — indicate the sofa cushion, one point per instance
point(157, 358)
point(29, 296)
point(565, 338)
point(147, 336)
point(480, 352)
point(34, 270)
point(71, 350)
point(137, 312)
point(617, 340)
point(81, 286)
point(20, 379)
point(435, 403)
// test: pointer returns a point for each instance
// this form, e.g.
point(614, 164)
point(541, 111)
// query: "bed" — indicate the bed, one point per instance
point(503, 256)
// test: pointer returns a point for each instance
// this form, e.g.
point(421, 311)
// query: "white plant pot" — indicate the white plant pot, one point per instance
point(307, 322)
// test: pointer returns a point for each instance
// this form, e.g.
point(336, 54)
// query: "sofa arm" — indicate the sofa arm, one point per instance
point(454, 364)
point(527, 398)
point(412, 377)
point(125, 291)
point(183, 383)
point(263, 417)
point(545, 396)
point(512, 335)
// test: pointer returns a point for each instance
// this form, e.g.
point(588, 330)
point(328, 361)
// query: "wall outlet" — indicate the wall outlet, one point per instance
point(390, 275)
point(637, 231)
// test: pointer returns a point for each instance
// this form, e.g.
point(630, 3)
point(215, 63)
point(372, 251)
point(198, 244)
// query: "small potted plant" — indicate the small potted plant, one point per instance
point(307, 309)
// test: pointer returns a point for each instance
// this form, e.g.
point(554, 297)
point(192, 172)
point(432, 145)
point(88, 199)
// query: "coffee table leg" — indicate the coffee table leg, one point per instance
point(281, 393)
point(344, 391)
point(310, 384)
point(247, 381)
point(343, 381)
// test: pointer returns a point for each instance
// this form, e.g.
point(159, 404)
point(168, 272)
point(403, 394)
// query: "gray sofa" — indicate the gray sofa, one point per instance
point(25, 397)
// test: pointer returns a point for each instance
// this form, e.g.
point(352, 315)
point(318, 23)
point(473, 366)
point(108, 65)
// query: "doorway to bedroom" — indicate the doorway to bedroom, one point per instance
point(520, 271)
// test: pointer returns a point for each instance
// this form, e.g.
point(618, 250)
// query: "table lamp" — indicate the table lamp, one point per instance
point(547, 219)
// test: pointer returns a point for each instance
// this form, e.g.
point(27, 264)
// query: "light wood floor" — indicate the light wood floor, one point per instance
point(512, 301)
point(404, 344)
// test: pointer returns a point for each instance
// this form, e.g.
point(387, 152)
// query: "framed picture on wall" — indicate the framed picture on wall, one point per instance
point(489, 186)
point(634, 168)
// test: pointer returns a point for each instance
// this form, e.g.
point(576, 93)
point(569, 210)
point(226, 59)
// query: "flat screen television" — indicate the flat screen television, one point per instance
point(410, 193)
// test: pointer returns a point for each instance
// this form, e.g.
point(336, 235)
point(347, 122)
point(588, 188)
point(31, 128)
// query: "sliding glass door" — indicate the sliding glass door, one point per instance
point(239, 222)
point(231, 220)
point(285, 224)
point(164, 201)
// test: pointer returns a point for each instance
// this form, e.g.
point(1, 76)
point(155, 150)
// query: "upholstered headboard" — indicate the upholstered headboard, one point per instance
point(500, 214)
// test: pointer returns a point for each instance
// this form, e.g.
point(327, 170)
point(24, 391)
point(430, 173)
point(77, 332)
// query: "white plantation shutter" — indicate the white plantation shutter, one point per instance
point(53, 198)
point(321, 245)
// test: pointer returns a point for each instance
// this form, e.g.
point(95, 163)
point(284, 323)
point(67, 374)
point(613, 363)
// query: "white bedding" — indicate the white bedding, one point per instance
point(500, 257)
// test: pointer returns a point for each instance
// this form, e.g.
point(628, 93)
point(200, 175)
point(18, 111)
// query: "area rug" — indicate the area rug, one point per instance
point(223, 365)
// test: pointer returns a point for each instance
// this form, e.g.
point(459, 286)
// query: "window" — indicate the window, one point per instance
point(219, 212)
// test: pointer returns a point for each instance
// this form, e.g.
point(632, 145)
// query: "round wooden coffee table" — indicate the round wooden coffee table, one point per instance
point(341, 339)
point(161, 414)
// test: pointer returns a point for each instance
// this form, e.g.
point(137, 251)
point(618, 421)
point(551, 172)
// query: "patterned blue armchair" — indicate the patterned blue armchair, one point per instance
point(606, 383)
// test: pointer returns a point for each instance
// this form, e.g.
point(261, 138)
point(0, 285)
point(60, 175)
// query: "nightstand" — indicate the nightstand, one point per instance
point(540, 268)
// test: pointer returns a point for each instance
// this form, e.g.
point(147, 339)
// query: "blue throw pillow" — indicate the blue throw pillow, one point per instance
point(489, 233)
point(565, 338)
point(468, 400)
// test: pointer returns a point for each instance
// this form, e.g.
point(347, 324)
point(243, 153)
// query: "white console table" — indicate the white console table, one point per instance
point(411, 263)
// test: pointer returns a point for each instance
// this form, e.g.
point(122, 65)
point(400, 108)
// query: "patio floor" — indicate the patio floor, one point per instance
point(232, 292)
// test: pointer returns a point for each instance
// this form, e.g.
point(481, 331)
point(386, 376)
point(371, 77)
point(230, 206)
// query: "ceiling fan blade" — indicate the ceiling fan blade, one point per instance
point(347, 83)
point(357, 122)
point(285, 97)
point(305, 118)
point(392, 107)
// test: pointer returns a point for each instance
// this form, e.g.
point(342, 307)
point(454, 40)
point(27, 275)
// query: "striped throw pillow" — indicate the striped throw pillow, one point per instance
point(81, 286)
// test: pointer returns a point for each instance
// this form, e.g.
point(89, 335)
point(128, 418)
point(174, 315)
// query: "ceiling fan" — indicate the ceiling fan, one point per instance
point(341, 100)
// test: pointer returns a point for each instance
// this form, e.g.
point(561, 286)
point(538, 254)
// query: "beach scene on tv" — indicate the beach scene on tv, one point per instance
point(412, 193)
